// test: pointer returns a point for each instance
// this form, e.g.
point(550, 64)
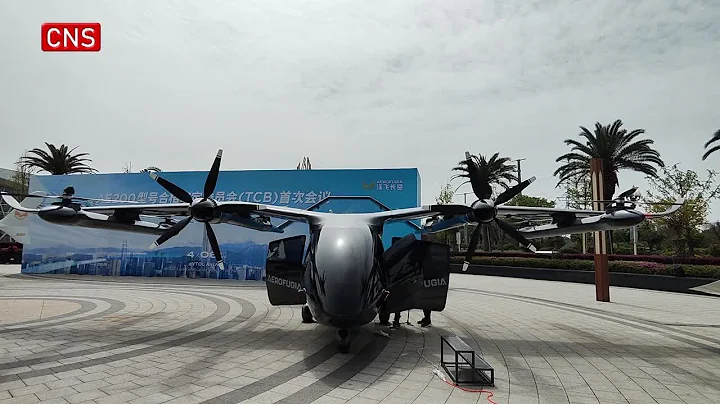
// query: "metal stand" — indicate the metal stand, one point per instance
point(472, 365)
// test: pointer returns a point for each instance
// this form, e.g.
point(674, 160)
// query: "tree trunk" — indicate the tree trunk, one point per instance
point(690, 243)
point(486, 237)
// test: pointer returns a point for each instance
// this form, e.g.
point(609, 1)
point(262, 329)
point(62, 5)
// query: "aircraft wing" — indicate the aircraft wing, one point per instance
point(550, 222)
point(181, 209)
point(529, 212)
point(420, 212)
point(535, 213)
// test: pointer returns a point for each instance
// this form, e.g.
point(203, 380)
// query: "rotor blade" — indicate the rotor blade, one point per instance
point(514, 233)
point(511, 192)
point(214, 245)
point(15, 204)
point(472, 245)
point(627, 193)
point(451, 210)
point(171, 232)
point(75, 198)
point(212, 177)
point(177, 192)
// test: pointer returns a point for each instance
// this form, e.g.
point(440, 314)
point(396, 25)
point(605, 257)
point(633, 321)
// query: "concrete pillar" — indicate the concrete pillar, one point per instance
point(602, 270)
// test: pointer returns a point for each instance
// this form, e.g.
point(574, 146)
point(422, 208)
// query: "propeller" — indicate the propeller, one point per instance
point(484, 210)
point(202, 209)
point(626, 200)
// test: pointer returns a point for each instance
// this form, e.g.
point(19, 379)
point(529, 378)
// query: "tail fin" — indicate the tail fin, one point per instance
point(15, 223)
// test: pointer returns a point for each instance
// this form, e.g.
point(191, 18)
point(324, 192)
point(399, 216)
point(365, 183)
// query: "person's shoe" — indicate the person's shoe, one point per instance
point(424, 322)
point(396, 324)
point(384, 323)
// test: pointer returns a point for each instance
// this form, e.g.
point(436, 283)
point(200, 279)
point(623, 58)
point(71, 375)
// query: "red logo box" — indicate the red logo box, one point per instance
point(70, 37)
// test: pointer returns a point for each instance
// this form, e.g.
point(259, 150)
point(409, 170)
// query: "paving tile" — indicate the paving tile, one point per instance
point(181, 341)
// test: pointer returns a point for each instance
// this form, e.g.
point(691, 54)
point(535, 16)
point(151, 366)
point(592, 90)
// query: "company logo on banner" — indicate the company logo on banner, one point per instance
point(384, 185)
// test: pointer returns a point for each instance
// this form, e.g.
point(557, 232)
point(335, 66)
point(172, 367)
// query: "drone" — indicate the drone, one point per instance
point(346, 276)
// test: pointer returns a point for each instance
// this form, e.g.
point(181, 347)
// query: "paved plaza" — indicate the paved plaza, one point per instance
point(86, 339)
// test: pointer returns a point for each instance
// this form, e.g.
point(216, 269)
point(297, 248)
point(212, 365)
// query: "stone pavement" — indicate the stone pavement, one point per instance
point(100, 340)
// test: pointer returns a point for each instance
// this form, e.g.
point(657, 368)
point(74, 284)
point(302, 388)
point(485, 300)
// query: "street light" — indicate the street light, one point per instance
point(519, 176)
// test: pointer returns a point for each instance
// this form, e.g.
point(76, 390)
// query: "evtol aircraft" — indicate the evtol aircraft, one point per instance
point(345, 277)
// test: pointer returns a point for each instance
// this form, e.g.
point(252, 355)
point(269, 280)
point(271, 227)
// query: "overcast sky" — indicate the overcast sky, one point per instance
point(361, 84)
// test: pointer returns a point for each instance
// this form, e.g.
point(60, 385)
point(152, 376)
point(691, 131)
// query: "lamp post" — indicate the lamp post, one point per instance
point(519, 176)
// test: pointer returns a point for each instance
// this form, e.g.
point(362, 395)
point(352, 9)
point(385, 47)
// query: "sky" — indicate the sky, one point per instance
point(361, 84)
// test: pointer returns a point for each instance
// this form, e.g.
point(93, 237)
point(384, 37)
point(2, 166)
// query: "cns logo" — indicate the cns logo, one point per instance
point(70, 37)
point(282, 282)
point(20, 215)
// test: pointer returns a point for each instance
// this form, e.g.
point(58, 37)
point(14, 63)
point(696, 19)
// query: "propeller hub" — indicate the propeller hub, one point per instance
point(203, 210)
point(484, 211)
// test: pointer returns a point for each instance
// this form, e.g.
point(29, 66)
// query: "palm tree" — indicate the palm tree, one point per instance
point(715, 148)
point(497, 171)
point(616, 147)
point(59, 161)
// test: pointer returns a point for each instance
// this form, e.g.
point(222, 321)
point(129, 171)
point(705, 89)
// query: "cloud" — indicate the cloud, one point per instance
point(362, 84)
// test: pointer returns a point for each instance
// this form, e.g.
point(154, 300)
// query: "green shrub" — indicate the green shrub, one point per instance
point(633, 267)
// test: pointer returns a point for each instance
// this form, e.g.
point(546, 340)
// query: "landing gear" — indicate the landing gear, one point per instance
point(306, 314)
point(343, 343)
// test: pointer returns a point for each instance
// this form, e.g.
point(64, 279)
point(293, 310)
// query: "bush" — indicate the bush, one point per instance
point(633, 267)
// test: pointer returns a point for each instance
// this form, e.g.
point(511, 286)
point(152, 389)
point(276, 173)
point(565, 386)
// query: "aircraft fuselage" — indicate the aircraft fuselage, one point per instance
point(344, 280)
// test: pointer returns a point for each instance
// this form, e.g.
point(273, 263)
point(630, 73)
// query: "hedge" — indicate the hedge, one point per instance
point(633, 267)
point(661, 259)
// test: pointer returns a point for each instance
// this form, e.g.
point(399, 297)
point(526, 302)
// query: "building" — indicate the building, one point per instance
point(7, 184)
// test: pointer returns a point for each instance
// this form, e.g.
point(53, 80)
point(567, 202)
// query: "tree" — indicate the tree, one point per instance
point(445, 197)
point(521, 200)
point(485, 174)
point(685, 223)
point(304, 164)
point(715, 138)
point(535, 201)
point(616, 147)
point(21, 176)
point(578, 194)
point(59, 161)
point(496, 171)
point(713, 234)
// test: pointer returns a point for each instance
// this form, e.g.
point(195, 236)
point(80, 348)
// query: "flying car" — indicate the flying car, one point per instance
point(345, 276)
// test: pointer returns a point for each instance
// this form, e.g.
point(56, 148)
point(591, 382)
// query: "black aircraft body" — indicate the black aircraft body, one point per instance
point(344, 277)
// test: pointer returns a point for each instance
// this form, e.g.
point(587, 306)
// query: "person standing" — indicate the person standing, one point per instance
point(425, 321)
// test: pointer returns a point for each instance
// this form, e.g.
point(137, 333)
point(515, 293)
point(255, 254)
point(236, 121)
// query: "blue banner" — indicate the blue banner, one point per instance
point(65, 249)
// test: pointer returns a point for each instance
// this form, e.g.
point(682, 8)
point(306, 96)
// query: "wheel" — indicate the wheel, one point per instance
point(306, 314)
point(343, 344)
